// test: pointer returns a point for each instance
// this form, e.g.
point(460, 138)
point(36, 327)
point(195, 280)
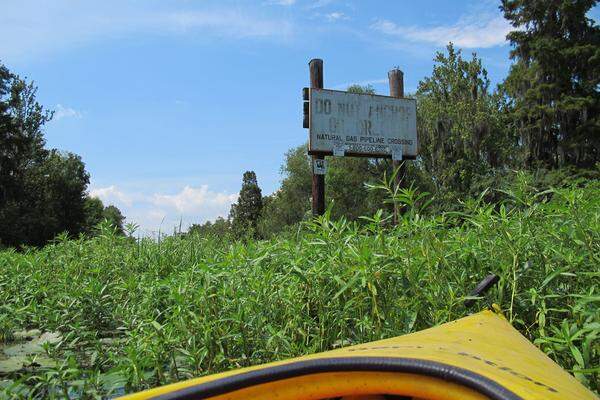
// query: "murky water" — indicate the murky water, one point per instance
point(25, 351)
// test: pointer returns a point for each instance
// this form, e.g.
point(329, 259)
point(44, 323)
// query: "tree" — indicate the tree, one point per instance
point(220, 228)
point(553, 84)
point(291, 202)
point(96, 212)
point(21, 138)
point(50, 200)
point(368, 89)
point(42, 192)
point(115, 218)
point(246, 211)
point(462, 134)
point(56, 197)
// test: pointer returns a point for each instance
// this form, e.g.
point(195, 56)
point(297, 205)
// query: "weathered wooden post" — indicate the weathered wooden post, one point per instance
point(318, 180)
point(396, 80)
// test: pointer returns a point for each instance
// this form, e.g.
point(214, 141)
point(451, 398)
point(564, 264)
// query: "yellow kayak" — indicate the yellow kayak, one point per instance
point(478, 357)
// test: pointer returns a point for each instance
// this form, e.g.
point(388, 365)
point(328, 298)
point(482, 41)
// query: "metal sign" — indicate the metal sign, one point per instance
point(319, 166)
point(356, 124)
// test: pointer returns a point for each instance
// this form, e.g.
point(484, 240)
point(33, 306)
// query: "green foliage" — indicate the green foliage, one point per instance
point(96, 213)
point(346, 193)
point(220, 228)
point(21, 147)
point(361, 89)
point(553, 85)
point(21, 139)
point(134, 315)
point(137, 314)
point(345, 186)
point(462, 135)
point(50, 200)
point(408, 201)
point(114, 217)
point(42, 192)
point(246, 211)
point(291, 203)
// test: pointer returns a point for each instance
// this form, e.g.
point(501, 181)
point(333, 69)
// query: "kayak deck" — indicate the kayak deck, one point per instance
point(477, 357)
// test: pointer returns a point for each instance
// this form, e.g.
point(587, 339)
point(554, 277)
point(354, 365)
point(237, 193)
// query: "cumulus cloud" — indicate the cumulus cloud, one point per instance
point(194, 200)
point(65, 112)
point(469, 32)
point(160, 212)
point(112, 195)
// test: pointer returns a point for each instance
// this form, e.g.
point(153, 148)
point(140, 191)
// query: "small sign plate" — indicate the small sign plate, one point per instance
point(319, 166)
point(338, 149)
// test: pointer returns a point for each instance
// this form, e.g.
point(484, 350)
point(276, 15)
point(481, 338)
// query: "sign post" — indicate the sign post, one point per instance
point(346, 124)
point(396, 81)
point(318, 179)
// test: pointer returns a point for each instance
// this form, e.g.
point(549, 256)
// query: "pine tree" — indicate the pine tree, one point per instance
point(245, 213)
point(553, 84)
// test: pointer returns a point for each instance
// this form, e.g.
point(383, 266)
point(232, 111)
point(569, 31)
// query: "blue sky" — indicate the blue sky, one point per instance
point(169, 102)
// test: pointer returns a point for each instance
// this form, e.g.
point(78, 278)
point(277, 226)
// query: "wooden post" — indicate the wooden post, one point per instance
point(318, 181)
point(396, 80)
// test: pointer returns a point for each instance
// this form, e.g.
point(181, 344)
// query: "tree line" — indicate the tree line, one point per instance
point(43, 192)
point(543, 118)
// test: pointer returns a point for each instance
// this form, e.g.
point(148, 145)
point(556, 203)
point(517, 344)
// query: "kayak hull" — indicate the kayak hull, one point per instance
point(478, 357)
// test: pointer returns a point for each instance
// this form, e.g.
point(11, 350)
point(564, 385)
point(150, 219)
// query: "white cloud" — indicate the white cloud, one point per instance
point(111, 195)
point(161, 212)
point(43, 28)
point(471, 31)
point(65, 112)
point(193, 200)
point(336, 16)
point(227, 23)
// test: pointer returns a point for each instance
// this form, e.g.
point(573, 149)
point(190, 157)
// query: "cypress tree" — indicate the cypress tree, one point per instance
point(246, 211)
point(553, 83)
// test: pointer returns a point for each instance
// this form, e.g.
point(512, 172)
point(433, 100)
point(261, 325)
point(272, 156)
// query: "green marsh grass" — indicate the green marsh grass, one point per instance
point(134, 314)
